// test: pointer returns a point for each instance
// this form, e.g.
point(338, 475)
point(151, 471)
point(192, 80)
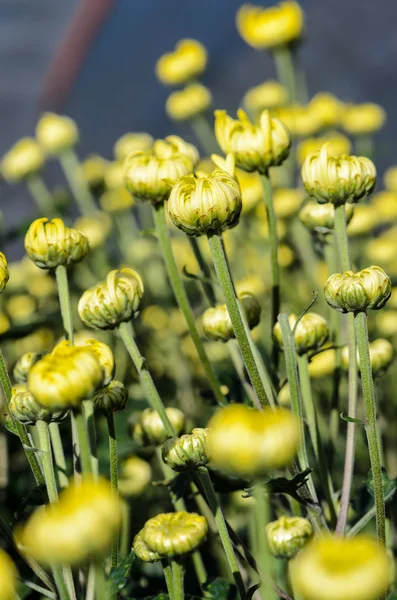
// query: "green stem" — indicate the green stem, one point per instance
point(60, 583)
point(204, 134)
point(286, 70)
point(114, 477)
point(239, 368)
point(205, 271)
point(100, 582)
point(127, 229)
point(74, 176)
point(360, 321)
point(367, 517)
point(41, 195)
point(59, 455)
point(342, 237)
point(211, 497)
point(226, 283)
point(146, 379)
point(264, 558)
point(178, 575)
point(183, 300)
point(64, 301)
point(84, 442)
point(89, 417)
point(46, 460)
point(168, 577)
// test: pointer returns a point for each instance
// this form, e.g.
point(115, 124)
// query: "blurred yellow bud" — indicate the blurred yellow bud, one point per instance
point(251, 190)
point(155, 317)
point(317, 216)
point(341, 568)
point(111, 398)
point(41, 340)
point(24, 364)
point(114, 176)
point(142, 551)
point(390, 179)
point(364, 221)
point(270, 94)
point(117, 200)
point(386, 323)
point(23, 160)
point(187, 452)
point(251, 284)
point(328, 109)
point(79, 528)
point(288, 535)
point(287, 202)
point(300, 120)
point(135, 476)
point(4, 272)
point(185, 104)
point(103, 353)
point(381, 354)
point(368, 289)
point(337, 180)
point(185, 63)
point(113, 301)
point(21, 308)
point(267, 28)
point(152, 426)
point(286, 256)
point(96, 228)
point(322, 364)
point(254, 147)
point(216, 321)
point(175, 534)
point(382, 250)
point(8, 577)
point(50, 244)
point(338, 145)
point(249, 443)
point(310, 333)
point(93, 169)
point(25, 409)
point(132, 142)
point(284, 397)
point(56, 133)
point(385, 204)
point(363, 119)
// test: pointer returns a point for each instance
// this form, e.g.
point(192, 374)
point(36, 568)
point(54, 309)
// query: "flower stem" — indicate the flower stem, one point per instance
point(74, 176)
point(59, 455)
point(89, 416)
point(226, 283)
point(64, 301)
point(84, 442)
point(183, 300)
point(114, 477)
point(46, 459)
point(286, 70)
point(168, 577)
point(205, 271)
point(100, 582)
point(264, 558)
point(41, 195)
point(360, 321)
point(178, 575)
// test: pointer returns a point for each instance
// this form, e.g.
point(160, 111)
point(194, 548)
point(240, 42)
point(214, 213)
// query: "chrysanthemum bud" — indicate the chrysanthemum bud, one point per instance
point(93, 170)
point(341, 568)
point(185, 104)
point(24, 159)
point(363, 119)
point(79, 528)
point(269, 94)
point(56, 133)
point(25, 409)
point(134, 477)
point(385, 204)
point(267, 28)
point(254, 147)
point(113, 301)
point(111, 398)
point(153, 428)
point(364, 221)
point(96, 228)
point(323, 363)
point(338, 179)
point(287, 202)
point(208, 204)
point(24, 364)
point(142, 551)
point(117, 200)
point(132, 142)
point(50, 244)
point(249, 443)
point(328, 109)
point(185, 63)
point(216, 321)
point(4, 272)
point(368, 289)
point(310, 333)
point(104, 355)
point(381, 354)
point(288, 535)
point(338, 145)
point(8, 577)
point(317, 216)
point(188, 451)
point(66, 377)
point(300, 120)
point(175, 534)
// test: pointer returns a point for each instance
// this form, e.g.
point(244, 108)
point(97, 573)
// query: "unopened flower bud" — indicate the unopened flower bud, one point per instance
point(216, 321)
point(269, 94)
point(113, 301)
point(175, 534)
point(111, 398)
point(24, 159)
point(116, 201)
point(300, 120)
point(364, 221)
point(50, 244)
point(4, 272)
point(338, 145)
point(24, 364)
point(146, 173)
point(337, 179)
point(363, 119)
point(323, 363)
point(288, 535)
point(381, 355)
point(132, 142)
point(153, 428)
point(93, 170)
point(254, 147)
point(317, 216)
point(134, 477)
point(328, 109)
point(184, 64)
point(188, 451)
point(8, 577)
point(287, 202)
point(185, 104)
point(56, 133)
point(25, 409)
point(142, 551)
point(104, 354)
point(368, 289)
point(96, 227)
point(310, 334)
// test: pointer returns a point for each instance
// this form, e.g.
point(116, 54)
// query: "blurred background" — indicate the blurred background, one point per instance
point(94, 60)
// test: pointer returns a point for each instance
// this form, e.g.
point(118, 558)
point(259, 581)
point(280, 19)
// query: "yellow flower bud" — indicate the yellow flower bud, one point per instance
point(386, 323)
point(287, 202)
point(286, 256)
point(132, 142)
point(381, 355)
point(368, 289)
point(364, 221)
point(337, 180)
point(206, 204)
point(175, 534)
point(114, 176)
point(382, 250)
point(113, 301)
point(145, 172)
point(270, 94)
point(300, 120)
point(23, 160)
point(66, 377)
point(56, 133)
point(340, 568)
point(4, 272)
point(25, 409)
point(50, 244)
point(249, 443)
point(24, 364)
point(95, 227)
point(327, 108)
point(93, 169)
point(255, 147)
point(310, 334)
point(188, 451)
point(185, 104)
point(338, 145)
point(80, 527)
point(117, 200)
point(104, 355)
point(135, 475)
point(363, 119)
point(111, 398)
point(267, 28)
point(288, 535)
point(185, 63)
point(251, 284)
point(284, 397)
point(152, 426)
point(8, 577)
point(317, 216)
point(390, 179)
point(217, 324)
point(385, 203)
point(21, 308)
point(142, 551)
point(322, 364)
point(251, 190)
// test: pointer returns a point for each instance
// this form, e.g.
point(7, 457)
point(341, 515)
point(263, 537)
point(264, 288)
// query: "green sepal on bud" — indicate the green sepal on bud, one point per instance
point(111, 398)
point(142, 550)
point(25, 409)
point(216, 321)
point(288, 535)
point(310, 333)
point(187, 452)
point(368, 289)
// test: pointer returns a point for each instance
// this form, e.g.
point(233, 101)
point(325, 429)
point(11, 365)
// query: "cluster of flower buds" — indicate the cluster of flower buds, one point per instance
point(310, 333)
point(381, 354)
point(150, 430)
point(187, 452)
point(288, 535)
point(216, 321)
point(368, 289)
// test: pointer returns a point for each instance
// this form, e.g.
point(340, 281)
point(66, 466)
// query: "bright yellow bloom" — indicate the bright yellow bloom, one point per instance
point(270, 94)
point(56, 133)
point(132, 142)
point(364, 221)
point(338, 144)
point(23, 160)
point(267, 28)
point(4, 272)
point(310, 334)
point(288, 535)
point(50, 244)
point(337, 568)
point(185, 63)
point(185, 104)
point(135, 476)
point(255, 147)
point(327, 109)
point(175, 534)
point(216, 321)
point(79, 528)
point(363, 119)
point(300, 120)
point(8, 577)
point(368, 289)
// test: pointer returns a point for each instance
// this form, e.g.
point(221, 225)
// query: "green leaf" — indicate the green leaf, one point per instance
point(11, 427)
point(345, 417)
point(118, 576)
point(220, 589)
